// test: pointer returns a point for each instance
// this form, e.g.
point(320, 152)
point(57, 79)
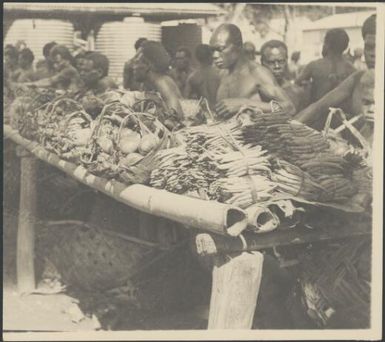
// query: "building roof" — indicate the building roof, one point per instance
point(166, 11)
point(344, 20)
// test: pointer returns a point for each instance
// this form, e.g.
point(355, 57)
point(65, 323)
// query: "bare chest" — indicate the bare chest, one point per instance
point(239, 85)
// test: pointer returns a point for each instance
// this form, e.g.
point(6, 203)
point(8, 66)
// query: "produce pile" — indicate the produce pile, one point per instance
point(252, 158)
point(114, 135)
point(255, 158)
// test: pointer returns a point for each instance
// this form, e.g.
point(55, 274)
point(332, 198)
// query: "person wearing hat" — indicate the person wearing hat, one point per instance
point(151, 66)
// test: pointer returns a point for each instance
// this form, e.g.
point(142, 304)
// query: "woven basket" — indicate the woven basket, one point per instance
point(95, 259)
point(335, 284)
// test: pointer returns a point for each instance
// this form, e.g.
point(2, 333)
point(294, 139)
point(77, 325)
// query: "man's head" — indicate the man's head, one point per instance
point(367, 94)
point(94, 68)
point(139, 43)
point(250, 50)
point(47, 49)
point(26, 58)
point(11, 56)
point(336, 42)
point(152, 56)
point(227, 44)
point(182, 58)
point(60, 56)
point(203, 54)
point(369, 35)
point(274, 56)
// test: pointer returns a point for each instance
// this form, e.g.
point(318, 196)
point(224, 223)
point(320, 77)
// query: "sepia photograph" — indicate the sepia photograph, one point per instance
point(192, 171)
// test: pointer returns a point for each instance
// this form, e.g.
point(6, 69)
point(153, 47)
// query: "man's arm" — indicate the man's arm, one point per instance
point(171, 95)
point(268, 87)
point(332, 99)
point(53, 80)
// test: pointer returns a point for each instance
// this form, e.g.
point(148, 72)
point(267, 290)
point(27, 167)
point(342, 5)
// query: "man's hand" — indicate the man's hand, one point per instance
point(228, 107)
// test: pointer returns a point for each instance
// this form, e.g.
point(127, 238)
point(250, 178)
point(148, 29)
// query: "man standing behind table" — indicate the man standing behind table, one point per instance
point(244, 82)
point(274, 56)
point(355, 94)
point(151, 67)
point(204, 81)
point(329, 71)
point(94, 73)
point(182, 68)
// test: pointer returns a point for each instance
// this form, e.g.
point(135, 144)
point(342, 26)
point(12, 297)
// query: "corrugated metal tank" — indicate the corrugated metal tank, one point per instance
point(38, 32)
point(116, 40)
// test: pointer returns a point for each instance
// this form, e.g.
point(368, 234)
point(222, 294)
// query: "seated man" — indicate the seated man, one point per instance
point(204, 81)
point(356, 91)
point(94, 73)
point(182, 68)
point(151, 67)
point(66, 77)
point(274, 56)
point(244, 82)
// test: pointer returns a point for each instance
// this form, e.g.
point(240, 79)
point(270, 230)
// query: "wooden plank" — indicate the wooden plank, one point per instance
point(26, 233)
point(236, 282)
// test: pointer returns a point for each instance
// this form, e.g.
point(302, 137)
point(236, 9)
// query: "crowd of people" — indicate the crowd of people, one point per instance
point(227, 74)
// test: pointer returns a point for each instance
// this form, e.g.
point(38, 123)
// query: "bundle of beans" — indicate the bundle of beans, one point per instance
point(242, 191)
point(324, 165)
point(176, 171)
point(337, 188)
point(291, 180)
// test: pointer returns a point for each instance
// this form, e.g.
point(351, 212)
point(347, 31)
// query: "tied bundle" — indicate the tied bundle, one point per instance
point(291, 180)
point(242, 191)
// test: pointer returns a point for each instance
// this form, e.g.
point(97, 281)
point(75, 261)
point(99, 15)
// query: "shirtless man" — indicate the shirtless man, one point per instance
point(204, 81)
point(357, 91)
point(274, 56)
point(66, 77)
point(150, 67)
point(245, 82)
point(94, 73)
point(329, 71)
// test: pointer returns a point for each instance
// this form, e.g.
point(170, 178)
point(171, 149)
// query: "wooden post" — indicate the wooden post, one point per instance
point(236, 282)
point(26, 233)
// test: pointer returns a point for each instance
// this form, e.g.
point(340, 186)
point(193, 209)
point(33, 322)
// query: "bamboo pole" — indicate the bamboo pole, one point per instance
point(25, 231)
point(236, 282)
point(216, 217)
